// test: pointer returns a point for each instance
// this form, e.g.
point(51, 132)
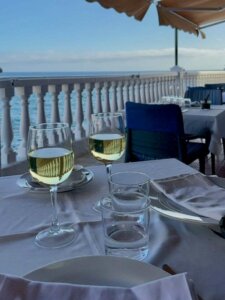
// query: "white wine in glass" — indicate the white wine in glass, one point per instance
point(51, 161)
point(107, 140)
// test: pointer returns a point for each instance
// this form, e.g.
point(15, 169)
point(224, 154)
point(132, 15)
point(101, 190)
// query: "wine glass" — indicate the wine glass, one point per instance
point(51, 161)
point(107, 140)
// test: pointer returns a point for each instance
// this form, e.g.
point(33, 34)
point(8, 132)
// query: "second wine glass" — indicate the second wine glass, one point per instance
point(107, 139)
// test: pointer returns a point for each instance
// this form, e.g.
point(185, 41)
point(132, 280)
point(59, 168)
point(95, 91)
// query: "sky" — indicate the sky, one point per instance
point(74, 35)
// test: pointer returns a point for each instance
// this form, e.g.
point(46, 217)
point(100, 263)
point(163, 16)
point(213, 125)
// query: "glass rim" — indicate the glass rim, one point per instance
point(132, 210)
point(52, 125)
point(128, 183)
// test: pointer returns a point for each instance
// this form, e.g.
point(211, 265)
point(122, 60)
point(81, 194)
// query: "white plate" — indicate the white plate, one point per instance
point(98, 270)
point(77, 179)
point(168, 208)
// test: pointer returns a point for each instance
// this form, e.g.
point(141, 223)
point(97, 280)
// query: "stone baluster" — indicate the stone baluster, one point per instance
point(120, 96)
point(54, 90)
point(165, 86)
point(143, 93)
point(67, 116)
point(106, 97)
point(159, 88)
point(40, 91)
point(132, 90)
point(7, 154)
point(155, 90)
point(186, 81)
point(147, 91)
point(172, 86)
point(23, 94)
point(168, 86)
point(89, 107)
point(161, 83)
point(114, 106)
point(98, 105)
point(151, 92)
point(126, 92)
point(181, 86)
point(138, 91)
point(79, 118)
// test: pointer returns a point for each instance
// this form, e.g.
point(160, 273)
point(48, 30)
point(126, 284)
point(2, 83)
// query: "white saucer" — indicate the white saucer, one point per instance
point(98, 270)
point(77, 179)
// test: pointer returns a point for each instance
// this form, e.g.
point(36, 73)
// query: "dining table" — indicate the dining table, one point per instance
point(185, 246)
point(197, 121)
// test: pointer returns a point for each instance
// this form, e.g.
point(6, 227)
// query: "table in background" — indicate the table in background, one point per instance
point(184, 246)
point(197, 121)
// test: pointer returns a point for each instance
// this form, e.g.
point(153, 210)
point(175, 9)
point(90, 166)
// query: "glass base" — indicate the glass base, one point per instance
point(49, 238)
point(140, 254)
point(97, 206)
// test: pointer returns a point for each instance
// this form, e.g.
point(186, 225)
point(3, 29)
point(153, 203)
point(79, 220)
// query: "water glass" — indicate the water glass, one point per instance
point(126, 215)
point(126, 232)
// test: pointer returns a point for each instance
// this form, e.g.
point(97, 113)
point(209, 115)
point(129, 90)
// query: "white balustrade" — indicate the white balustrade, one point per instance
point(79, 98)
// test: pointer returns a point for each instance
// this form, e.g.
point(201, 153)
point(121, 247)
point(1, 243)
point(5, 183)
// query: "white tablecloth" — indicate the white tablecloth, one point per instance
point(186, 247)
point(197, 120)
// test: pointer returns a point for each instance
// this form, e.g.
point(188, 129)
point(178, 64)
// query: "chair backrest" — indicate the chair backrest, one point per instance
point(200, 93)
point(220, 86)
point(190, 89)
point(154, 131)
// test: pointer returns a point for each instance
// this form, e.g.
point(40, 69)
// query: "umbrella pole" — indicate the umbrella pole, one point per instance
point(176, 47)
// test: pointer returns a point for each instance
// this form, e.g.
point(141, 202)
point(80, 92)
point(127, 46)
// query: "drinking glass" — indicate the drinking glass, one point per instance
point(107, 140)
point(51, 161)
point(126, 215)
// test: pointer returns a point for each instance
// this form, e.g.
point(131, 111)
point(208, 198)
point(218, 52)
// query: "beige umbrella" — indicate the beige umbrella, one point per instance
point(188, 15)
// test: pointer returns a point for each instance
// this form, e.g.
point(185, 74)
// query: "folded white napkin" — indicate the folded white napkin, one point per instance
point(195, 192)
point(170, 288)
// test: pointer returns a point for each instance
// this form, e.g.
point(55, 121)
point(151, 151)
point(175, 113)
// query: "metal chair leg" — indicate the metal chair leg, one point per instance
point(213, 164)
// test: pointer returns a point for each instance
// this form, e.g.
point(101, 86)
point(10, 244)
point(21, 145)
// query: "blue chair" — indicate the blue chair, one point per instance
point(156, 132)
point(199, 93)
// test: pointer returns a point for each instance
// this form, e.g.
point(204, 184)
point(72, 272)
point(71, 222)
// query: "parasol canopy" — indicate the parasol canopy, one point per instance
point(187, 15)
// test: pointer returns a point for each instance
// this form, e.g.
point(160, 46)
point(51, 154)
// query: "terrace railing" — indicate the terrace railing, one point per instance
point(26, 101)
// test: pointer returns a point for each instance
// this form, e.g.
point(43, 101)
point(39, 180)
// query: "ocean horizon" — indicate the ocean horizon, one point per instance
point(9, 75)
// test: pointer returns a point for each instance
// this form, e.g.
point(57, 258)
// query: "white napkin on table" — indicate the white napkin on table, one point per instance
point(169, 288)
point(196, 193)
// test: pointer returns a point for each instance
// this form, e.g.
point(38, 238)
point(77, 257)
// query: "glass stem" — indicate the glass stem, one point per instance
point(108, 171)
point(55, 220)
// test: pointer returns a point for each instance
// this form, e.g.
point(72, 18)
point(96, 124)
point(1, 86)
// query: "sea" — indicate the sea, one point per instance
point(16, 104)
